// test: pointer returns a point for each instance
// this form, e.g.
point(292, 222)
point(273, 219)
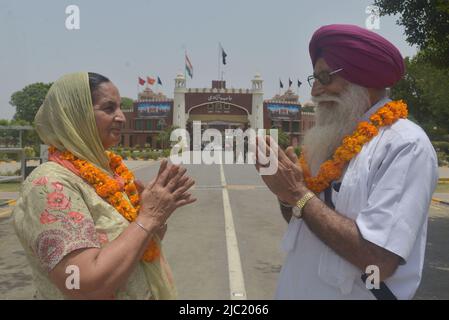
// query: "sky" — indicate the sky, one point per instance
point(127, 39)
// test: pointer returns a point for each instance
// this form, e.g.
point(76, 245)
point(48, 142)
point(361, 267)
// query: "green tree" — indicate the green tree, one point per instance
point(164, 137)
point(283, 138)
point(308, 109)
point(10, 138)
point(28, 100)
point(126, 103)
point(426, 24)
point(425, 88)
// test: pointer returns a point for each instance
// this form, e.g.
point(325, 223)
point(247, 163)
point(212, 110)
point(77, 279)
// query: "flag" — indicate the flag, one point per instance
point(223, 55)
point(151, 81)
point(141, 81)
point(281, 84)
point(290, 82)
point(299, 83)
point(189, 67)
point(159, 81)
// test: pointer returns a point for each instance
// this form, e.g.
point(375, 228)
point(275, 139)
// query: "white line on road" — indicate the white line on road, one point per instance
point(236, 281)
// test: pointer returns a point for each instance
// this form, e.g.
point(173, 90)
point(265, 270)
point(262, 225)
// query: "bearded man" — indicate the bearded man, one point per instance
point(357, 200)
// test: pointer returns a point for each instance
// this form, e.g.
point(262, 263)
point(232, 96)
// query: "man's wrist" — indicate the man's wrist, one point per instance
point(298, 210)
point(284, 204)
point(298, 194)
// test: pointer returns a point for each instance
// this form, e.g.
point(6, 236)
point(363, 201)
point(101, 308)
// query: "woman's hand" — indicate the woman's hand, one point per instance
point(163, 195)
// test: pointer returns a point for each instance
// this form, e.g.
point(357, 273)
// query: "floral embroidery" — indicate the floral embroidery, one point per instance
point(76, 216)
point(58, 186)
point(40, 181)
point(70, 229)
point(57, 200)
point(88, 231)
point(102, 237)
point(111, 189)
point(47, 217)
point(50, 247)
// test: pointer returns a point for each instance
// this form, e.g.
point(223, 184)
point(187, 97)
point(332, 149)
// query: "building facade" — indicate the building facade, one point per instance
point(216, 107)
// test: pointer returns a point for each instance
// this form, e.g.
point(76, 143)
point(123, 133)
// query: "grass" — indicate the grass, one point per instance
point(442, 188)
point(10, 186)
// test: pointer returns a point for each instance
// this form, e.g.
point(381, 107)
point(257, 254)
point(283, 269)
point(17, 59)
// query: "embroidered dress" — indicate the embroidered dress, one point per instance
point(57, 213)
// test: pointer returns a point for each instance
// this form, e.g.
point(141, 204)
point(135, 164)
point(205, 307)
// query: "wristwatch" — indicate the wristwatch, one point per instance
point(297, 209)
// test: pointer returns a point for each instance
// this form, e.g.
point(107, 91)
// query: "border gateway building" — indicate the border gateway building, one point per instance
point(217, 107)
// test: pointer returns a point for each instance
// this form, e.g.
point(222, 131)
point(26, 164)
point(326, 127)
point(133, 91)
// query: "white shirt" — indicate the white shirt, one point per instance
point(386, 190)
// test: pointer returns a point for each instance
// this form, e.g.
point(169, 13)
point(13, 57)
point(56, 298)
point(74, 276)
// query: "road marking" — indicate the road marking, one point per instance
point(5, 213)
point(236, 281)
point(229, 187)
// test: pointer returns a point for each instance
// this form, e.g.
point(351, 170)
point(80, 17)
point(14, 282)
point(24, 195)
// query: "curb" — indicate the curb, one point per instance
point(6, 206)
point(446, 202)
point(7, 203)
point(6, 213)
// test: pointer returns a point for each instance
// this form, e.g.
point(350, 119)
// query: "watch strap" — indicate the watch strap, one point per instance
point(302, 202)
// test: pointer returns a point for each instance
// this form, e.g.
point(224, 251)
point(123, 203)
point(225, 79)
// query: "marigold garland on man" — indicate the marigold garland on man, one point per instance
point(359, 194)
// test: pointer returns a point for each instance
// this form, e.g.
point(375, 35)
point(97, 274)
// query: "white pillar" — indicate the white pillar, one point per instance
point(256, 118)
point(179, 102)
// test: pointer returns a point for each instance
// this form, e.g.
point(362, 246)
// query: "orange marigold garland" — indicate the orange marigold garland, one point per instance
point(332, 169)
point(110, 190)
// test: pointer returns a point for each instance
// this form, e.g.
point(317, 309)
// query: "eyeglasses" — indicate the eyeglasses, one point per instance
point(324, 77)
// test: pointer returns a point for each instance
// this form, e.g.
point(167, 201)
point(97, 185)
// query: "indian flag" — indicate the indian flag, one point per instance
point(189, 67)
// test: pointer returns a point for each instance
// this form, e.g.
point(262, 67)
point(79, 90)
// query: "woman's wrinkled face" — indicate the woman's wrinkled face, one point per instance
point(108, 115)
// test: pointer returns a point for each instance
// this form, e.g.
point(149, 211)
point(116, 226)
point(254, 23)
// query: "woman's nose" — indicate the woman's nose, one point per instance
point(120, 116)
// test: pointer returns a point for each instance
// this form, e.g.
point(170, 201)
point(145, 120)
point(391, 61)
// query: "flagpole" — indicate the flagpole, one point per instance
point(219, 46)
point(138, 87)
point(185, 61)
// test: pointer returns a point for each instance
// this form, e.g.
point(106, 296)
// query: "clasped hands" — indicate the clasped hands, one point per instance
point(163, 195)
point(287, 183)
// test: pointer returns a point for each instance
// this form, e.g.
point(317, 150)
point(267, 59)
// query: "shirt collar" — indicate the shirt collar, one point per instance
point(379, 104)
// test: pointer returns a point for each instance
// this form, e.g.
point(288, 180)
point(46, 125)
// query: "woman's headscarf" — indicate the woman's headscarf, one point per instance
point(66, 120)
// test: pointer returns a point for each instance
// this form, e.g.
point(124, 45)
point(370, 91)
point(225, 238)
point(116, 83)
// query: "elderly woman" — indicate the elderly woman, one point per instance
point(82, 214)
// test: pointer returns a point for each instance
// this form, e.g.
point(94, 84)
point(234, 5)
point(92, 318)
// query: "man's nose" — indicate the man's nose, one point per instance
point(317, 89)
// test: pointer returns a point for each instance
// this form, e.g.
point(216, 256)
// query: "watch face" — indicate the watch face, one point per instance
point(296, 212)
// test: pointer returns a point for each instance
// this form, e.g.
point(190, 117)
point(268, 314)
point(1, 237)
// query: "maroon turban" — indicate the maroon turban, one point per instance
point(367, 59)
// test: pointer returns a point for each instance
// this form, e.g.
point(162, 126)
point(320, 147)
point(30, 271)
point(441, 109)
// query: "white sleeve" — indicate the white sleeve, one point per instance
point(399, 197)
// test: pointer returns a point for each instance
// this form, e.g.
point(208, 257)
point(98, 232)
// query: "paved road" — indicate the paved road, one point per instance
point(199, 235)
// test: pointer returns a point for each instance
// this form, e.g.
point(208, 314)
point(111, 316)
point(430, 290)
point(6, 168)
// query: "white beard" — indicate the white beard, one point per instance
point(335, 118)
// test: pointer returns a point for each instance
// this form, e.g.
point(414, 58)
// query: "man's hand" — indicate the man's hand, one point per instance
point(290, 153)
point(288, 181)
